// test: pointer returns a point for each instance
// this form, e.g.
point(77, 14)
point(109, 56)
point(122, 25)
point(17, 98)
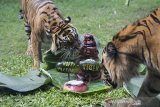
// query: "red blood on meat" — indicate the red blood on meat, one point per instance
point(75, 88)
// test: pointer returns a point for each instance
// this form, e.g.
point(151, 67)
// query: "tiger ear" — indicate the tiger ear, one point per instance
point(111, 49)
point(68, 20)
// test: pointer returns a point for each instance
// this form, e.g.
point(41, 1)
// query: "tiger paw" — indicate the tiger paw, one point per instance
point(35, 67)
point(29, 52)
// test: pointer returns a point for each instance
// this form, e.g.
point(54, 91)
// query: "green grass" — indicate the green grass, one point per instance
point(103, 18)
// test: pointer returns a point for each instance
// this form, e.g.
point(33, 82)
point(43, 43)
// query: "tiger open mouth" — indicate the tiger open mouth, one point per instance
point(106, 77)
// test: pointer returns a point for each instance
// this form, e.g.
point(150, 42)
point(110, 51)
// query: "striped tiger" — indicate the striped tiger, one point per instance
point(138, 43)
point(43, 19)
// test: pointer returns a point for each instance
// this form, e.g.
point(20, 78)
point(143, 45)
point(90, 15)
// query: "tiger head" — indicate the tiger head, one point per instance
point(120, 58)
point(62, 33)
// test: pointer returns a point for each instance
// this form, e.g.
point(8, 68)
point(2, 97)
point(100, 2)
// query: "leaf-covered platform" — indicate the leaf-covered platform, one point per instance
point(48, 74)
point(58, 79)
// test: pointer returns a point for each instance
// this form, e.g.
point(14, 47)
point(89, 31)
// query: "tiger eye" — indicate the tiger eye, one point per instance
point(64, 35)
point(68, 31)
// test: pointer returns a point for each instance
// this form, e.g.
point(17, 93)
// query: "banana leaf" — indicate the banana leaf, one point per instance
point(134, 85)
point(35, 79)
point(50, 60)
point(29, 82)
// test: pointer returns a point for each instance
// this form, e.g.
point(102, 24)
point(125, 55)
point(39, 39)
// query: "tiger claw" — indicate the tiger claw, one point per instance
point(34, 67)
point(36, 64)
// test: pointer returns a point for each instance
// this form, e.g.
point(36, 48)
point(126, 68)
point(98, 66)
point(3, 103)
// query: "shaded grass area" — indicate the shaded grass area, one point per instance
point(103, 18)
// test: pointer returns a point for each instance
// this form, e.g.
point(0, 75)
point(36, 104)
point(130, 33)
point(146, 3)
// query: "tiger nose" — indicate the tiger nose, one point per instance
point(48, 31)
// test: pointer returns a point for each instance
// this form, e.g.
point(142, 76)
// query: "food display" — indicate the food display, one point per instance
point(89, 60)
point(85, 69)
point(89, 49)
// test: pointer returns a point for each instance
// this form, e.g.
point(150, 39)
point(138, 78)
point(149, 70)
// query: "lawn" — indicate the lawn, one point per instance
point(103, 18)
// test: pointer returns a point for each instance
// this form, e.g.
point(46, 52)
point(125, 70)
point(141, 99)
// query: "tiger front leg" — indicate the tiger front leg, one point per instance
point(29, 48)
point(28, 32)
point(36, 49)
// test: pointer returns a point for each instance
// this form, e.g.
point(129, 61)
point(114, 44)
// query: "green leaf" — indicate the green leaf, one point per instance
point(134, 85)
point(51, 59)
point(30, 81)
point(142, 69)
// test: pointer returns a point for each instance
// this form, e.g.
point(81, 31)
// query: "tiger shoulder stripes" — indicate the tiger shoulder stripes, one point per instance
point(137, 43)
point(43, 19)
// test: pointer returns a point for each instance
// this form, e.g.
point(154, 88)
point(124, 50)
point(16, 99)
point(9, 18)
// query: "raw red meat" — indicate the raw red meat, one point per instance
point(75, 86)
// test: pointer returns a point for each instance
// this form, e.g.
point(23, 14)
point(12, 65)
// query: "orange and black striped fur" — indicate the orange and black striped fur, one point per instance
point(43, 19)
point(137, 43)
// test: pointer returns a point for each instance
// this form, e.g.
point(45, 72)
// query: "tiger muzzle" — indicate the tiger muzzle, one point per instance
point(48, 32)
point(105, 77)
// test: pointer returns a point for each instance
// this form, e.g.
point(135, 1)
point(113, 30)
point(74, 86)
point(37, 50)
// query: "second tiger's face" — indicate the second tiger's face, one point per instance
point(120, 65)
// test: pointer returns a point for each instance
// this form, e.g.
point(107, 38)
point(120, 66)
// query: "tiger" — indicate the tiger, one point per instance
point(137, 43)
point(42, 19)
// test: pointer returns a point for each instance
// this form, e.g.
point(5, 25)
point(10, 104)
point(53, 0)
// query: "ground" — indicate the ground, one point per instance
point(103, 18)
